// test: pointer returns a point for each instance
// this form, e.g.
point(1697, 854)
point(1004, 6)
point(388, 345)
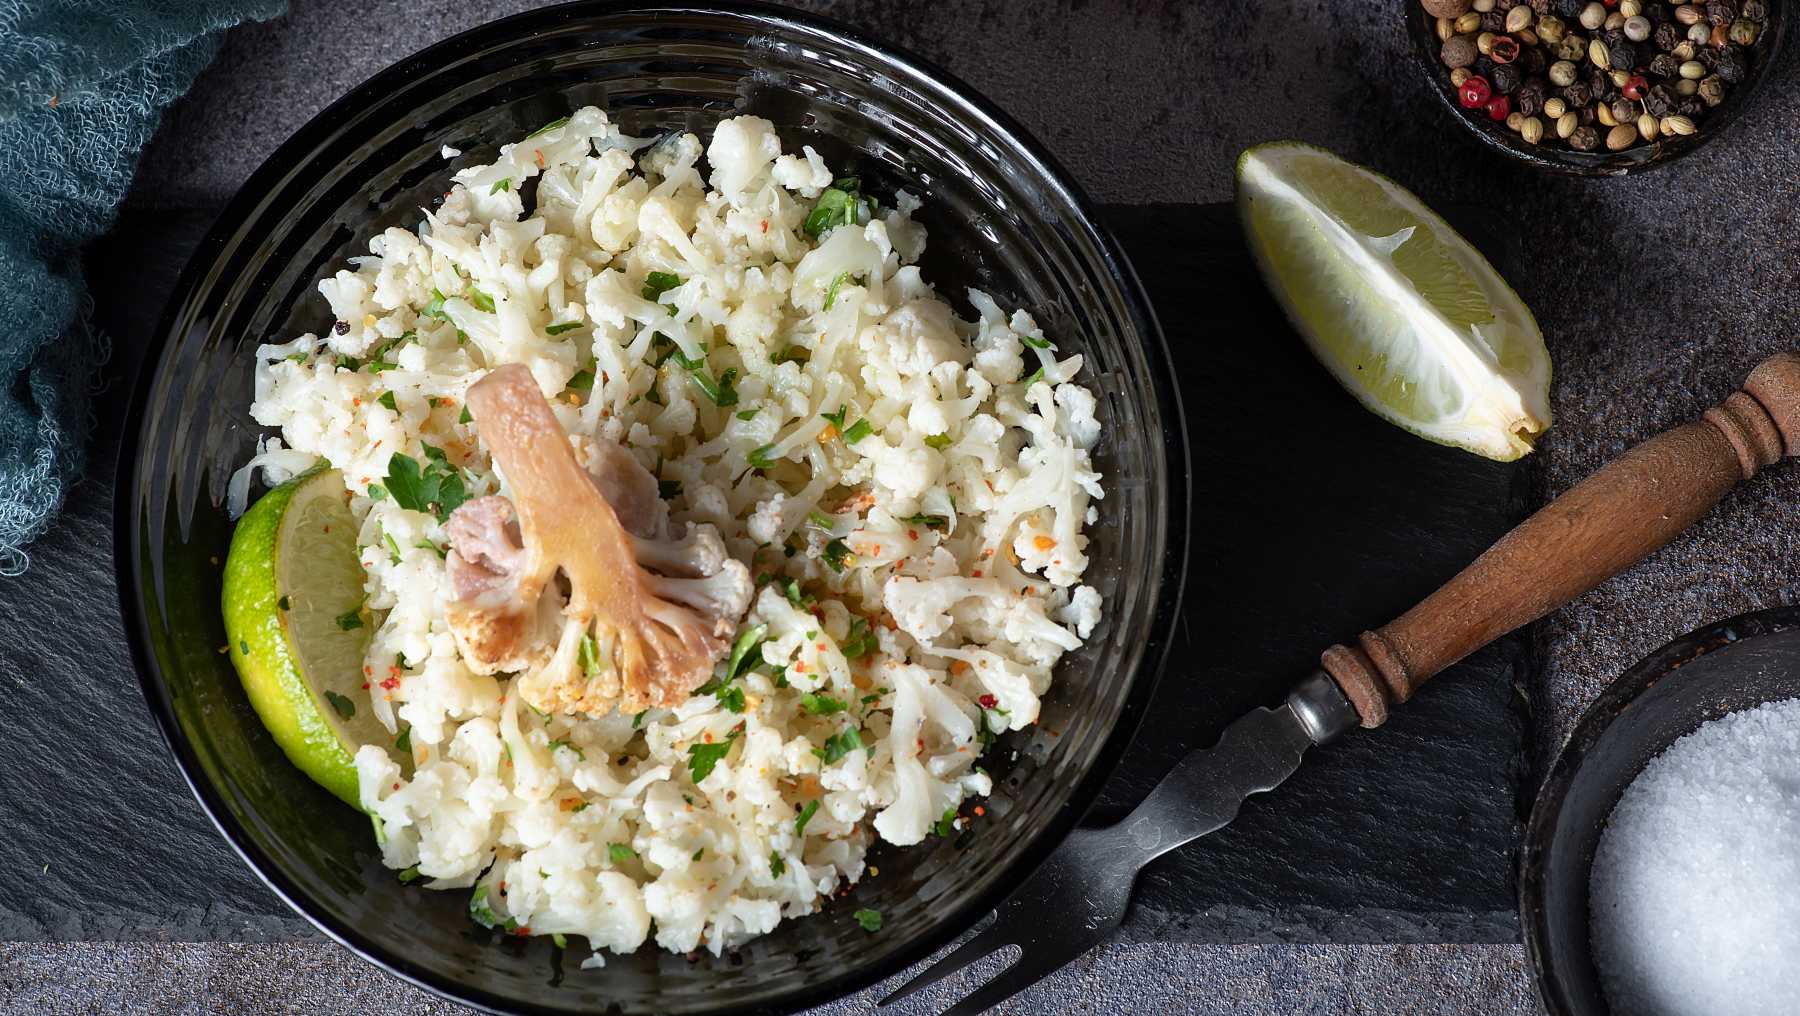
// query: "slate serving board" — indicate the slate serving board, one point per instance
point(1314, 520)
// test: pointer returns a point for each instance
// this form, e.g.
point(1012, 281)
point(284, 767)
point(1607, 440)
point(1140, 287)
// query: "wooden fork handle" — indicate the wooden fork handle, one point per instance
point(1601, 526)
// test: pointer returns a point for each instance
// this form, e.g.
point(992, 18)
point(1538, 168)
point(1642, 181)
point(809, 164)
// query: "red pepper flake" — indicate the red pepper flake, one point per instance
point(799, 668)
point(980, 811)
point(912, 534)
point(976, 573)
point(539, 153)
point(765, 222)
point(389, 684)
point(365, 686)
point(396, 786)
point(987, 701)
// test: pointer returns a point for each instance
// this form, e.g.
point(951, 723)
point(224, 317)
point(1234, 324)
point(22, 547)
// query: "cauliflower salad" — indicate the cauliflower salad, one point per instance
point(704, 542)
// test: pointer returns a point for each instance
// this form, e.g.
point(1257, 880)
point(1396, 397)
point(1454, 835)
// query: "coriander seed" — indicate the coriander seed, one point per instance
point(1599, 54)
point(1532, 130)
point(1630, 8)
point(1567, 124)
point(1468, 23)
point(1555, 108)
point(1677, 126)
point(1646, 126)
point(1688, 14)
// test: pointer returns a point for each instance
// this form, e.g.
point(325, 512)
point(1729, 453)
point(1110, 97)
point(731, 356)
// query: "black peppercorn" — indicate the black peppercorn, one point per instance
point(1708, 57)
point(1731, 65)
point(1483, 67)
point(1663, 66)
point(1612, 35)
point(1658, 14)
point(342, 328)
point(1571, 9)
point(1623, 55)
point(1585, 139)
point(1540, 7)
point(1668, 35)
point(1529, 99)
point(1721, 12)
point(1532, 61)
point(1755, 10)
point(1494, 21)
point(1691, 108)
point(1585, 115)
point(1505, 5)
point(1506, 79)
point(1578, 95)
point(1659, 101)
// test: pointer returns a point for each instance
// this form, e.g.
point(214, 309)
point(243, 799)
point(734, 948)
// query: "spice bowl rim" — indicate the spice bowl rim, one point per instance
point(1551, 971)
point(1496, 137)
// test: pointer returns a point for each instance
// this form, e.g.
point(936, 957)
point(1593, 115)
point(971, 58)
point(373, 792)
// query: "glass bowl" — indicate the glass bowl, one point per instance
point(1497, 137)
point(1738, 663)
point(1002, 216)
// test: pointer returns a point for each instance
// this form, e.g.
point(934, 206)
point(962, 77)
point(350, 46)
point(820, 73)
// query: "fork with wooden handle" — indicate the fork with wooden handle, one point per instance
point(1606, 523)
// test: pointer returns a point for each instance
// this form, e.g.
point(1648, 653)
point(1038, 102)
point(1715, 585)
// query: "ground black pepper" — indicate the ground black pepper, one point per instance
point(1643, 64)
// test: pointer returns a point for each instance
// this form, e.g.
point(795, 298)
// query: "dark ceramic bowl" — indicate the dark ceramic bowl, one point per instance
point(1002, 216)
point(1497, 137)
point(1724, 667)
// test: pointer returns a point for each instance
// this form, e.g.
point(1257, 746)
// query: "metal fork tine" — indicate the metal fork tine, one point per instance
point(974, 950)
point(1011, 979)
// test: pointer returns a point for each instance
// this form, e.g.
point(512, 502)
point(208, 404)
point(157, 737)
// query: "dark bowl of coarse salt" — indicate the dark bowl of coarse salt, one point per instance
point(1595, 87)
point(1660, 870)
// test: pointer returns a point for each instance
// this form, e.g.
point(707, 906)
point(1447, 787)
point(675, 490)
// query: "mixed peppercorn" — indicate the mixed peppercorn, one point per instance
point(1593, 73)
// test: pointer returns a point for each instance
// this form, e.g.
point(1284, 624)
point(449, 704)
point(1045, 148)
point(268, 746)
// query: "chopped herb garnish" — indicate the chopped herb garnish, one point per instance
point(481, 301)
point(722, 392)
point(578, 809)
point(703, 757)
point(583, 381)
point(344, 707)
point(351, 619)
point(821, 705)
point(938, 441)
point(839, 745)
point(349, 363)
point(502, 184)
point(424, 544)
point(777, 866)
point(869, 919)
point(819, 520)
point(790, 587)
point(559, 743)
point(859, 642)
point(946, 824)
point(1036, 342)
point(547, 128)
point(436, 487)
point(928, 521)
point(745, 649)
point(393, 547)
point(792, 354)
point(465, 417)
point(838, 206)
point(666, 489)
point(482, 914)
point(557, 940)
point(832, 291)
point(561, 328)
point(1036, 376)
point(748, 414)
point(697, 853)
point(836, 419)
point(410, 874)
point(806, 813)
point(435, 308)
point(759, 457)
point(404, 741)
point(637, 718)
point(620, 853)
point(658, 283)
point(387, 402)
point(858, 430)
point(731, 698)
point(837, 555)
point(590, 656)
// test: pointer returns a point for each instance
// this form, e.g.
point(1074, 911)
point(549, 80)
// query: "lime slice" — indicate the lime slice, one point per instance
point(1403, 311)
point(297, 634)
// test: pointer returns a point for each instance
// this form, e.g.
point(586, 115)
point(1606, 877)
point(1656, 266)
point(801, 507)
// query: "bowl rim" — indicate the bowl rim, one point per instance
point(1595, 720)
point(1495, 137)
point(953, 95)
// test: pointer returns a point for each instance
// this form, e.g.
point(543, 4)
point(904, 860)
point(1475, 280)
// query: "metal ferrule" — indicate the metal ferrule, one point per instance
point(1321, 707)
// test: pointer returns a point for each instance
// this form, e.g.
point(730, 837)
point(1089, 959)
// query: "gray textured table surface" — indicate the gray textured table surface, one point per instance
point(1656, 294)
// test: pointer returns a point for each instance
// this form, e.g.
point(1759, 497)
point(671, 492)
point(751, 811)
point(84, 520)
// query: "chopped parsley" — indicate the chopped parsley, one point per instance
point(560, 743)
point(590, 657)
point(343, 706)
point(839, 745)
point(832, 292)
point(858, 430)
point(637, 719)
point(404, 741)
point(722, 392)
point(583, 381)
point(703, 758)
point(465, 418)
point(435, 308)
point(620, 852)
point(790, 588)
point(819, 520)
point(759, 457)
point(859, 642)
point(387, 402)
point(481, 301)
point(561, 328)
point(837, 555)
point(928, 521)
point(821, 705)
point(393, 547)
point(748, 414)
point(946, 824)
point(502, 184)
point(938, 441)
point(658, 283)
point(805, 816)
point(1037, 342)
point(841, 204)
point(351, 619)
point(547, 128)
point(732, 698)
point(869, 919)
point(836, 419)
point(484, 915)
point(1036, 376)
point(557, 940)
point(435, 487)
point(777, 866)
point(410, 874)
point(697, 853)
point(746, 649)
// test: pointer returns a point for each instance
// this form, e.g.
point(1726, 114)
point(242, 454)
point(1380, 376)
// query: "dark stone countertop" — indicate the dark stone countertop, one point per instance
point(1656, 294)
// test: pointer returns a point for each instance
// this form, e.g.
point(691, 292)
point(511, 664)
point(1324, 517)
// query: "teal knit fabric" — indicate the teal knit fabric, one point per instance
point(82, 86)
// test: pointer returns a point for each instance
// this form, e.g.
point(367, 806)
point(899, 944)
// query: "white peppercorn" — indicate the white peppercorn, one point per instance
point(1637, 28)
point(1563, 73)
point(1594, 15)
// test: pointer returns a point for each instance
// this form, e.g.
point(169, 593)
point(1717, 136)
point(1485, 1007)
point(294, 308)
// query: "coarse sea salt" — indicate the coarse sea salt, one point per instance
point(1694, 903)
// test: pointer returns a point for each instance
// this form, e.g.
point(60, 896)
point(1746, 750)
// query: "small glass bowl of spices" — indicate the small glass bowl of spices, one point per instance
point(1596, 87)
